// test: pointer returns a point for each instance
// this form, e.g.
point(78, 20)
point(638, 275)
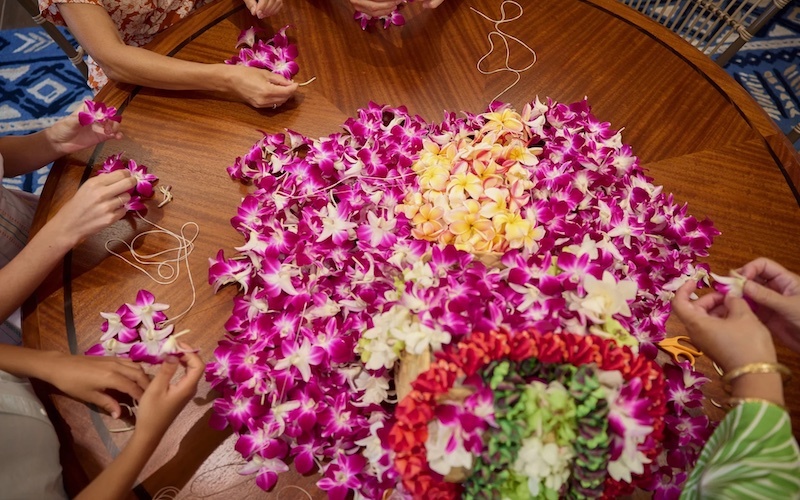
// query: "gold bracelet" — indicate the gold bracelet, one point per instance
point(734, 402)
point(759, 368)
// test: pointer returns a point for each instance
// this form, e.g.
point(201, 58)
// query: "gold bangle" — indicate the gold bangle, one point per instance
point(734, 402)
point(759, 368)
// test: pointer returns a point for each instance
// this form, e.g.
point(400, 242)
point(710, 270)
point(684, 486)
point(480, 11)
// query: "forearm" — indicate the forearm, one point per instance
point(25, 362)
point(117, 480)
point(30, 267)
point(26, 153)
point(767, 386)
point(140, 66)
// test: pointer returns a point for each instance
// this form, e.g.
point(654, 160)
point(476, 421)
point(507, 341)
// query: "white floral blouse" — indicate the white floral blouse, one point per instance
point(138, 21)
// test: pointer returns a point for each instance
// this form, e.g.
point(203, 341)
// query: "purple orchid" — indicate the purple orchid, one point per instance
point(97, 112)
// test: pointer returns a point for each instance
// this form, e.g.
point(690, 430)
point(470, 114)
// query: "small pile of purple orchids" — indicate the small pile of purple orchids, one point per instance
point(137, 331)
point(276, 54)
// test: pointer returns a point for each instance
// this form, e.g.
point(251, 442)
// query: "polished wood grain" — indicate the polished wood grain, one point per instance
point(696, 131)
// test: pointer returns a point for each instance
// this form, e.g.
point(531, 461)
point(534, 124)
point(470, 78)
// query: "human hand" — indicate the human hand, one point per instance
point(260, 88)
point(99, 202)
point(377, 8)
point(723, 327)
point(777, 291)
point(163, 401)
point(263, 8)
point(68, 135)
point(89, 377)
point(431, 4)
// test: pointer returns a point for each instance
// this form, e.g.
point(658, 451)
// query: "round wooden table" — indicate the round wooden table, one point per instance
point(696, 131)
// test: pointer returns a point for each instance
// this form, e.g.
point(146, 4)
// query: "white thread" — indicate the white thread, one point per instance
point(295, 487)
point(307, 82)
point(505, 37)
point(167, 273)
point(166, 192)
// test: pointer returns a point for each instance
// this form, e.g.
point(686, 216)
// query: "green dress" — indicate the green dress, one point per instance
point(752, 454)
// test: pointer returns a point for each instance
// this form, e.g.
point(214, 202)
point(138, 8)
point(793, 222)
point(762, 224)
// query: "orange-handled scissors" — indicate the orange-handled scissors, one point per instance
point(674, 348)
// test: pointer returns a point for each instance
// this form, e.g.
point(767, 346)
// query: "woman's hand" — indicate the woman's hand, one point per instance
point(260, 88)
point(376, 8)
point(99, 202)
point(89, 377)
point(777, 291)
point(263, 8)
point(163, 401)
point(68, 136)
point(724, 328)
point(431, 4)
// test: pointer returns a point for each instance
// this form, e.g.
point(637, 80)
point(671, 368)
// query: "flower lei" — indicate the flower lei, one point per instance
point(372, 244)
point(478, 355)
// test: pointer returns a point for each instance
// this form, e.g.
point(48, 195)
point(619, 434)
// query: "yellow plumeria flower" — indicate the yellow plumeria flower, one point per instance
point(434, 177)
point(467, 183)
point(467, 224)
point(517, 151)
point(502, 121)
point(428, 222)
point(495, 202)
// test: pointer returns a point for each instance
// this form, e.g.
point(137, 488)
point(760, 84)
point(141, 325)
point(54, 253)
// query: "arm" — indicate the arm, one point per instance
point(26, 153)
point(158, 407)
point(97, 204)
point(97, 33)
point(752, 454)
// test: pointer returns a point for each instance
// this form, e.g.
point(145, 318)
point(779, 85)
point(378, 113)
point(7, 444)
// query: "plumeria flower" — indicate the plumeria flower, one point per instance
point(97, 112)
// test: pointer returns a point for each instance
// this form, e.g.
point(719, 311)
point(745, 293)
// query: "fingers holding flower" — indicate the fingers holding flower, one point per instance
point(163, 400)
point(723, 327)
point(98, 203)
point(90, 124)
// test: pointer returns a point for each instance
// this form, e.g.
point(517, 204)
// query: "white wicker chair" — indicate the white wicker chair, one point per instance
point(713, 26)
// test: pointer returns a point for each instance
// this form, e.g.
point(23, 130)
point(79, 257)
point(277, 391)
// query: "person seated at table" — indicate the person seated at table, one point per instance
point(380, 8)
point(97, 204)
point(752, 453)
point(29, 463)
point(113, 32)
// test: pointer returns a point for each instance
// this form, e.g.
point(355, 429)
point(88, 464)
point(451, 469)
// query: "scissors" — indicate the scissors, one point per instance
point(674, 348)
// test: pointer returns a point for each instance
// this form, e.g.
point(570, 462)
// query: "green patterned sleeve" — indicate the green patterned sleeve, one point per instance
point(752, 454)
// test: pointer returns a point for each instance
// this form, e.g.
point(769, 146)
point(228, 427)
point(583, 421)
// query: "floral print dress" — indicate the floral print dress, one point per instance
point(138, 21)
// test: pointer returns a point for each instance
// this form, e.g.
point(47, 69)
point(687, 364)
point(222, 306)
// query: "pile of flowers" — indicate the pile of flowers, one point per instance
point(398, 239)
point(144, 180)
point(138, 331)
point(275, 54)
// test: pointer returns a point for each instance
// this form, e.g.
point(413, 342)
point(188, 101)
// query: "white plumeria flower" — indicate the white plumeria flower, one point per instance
point(605, 297)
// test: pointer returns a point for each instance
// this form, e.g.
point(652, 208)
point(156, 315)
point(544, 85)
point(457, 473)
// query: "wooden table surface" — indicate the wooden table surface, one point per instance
point(696, 131)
